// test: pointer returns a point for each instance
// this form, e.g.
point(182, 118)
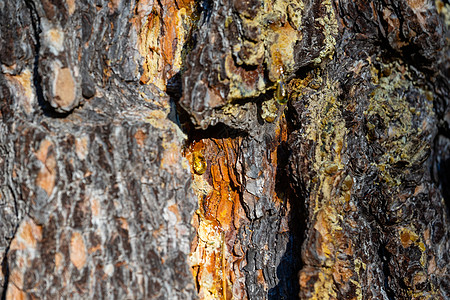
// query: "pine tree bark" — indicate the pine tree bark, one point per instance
point(95, 199)
point(254, 149)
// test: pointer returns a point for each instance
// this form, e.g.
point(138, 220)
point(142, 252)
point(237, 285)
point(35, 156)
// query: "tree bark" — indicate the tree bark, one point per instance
point(95, 198)
point(254, 149)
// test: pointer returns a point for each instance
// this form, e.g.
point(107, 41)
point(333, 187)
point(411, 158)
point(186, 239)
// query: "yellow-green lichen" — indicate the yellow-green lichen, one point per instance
point(396, 128)
point(444, 10)
point(269, 110)
point(325, 128)
point(323, 287)
point(330, 30)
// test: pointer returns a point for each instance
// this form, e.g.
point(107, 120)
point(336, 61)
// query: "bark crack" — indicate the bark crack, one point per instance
point(5, 266)
point(385, 257)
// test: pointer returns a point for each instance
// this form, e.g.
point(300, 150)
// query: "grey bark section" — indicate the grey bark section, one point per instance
point(270, 245)
point(96, 145)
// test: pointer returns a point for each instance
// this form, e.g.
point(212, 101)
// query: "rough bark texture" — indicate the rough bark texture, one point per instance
point(95, 196)
point(224, 149)
point(362, 79)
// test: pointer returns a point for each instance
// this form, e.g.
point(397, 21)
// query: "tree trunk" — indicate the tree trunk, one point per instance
point(253, 149)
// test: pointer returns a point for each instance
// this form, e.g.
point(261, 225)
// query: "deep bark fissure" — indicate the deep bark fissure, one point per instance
point(443, 170)
point(292, 259)
point(5, 266)
point(5, 271)
point(385, 257)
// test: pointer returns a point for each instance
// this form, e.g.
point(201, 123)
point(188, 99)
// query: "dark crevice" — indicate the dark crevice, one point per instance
point(442, 172)
point(302, 72)
point(174, 87)
point(5, 267)
point(413, 58)
point(258, 99)
point(5, 271)
point(174, 90)
point(443, 129)
point(181, 117)
point(35, 22)
point(291, 263)
point(243, 65)
point(161, 6)
point(287, 188)
point(206, 8)
point(385, 257)
point(219, 131)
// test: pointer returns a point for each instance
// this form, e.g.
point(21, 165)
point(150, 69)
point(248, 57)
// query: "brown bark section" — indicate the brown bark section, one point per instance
point(242, 211)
